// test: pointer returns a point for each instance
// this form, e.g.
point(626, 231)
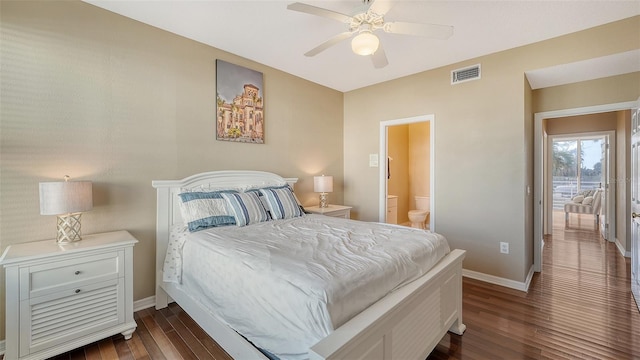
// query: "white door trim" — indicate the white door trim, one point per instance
point(382, 213)
point(635, 244)
point(538, 163)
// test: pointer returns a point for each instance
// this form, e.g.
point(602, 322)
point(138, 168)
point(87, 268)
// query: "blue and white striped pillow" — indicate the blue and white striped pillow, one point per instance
point(281, 202)
point(246, 208)
point(202, 210)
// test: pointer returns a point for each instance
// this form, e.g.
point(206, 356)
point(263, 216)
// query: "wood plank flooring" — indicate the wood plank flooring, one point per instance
point(579, 307)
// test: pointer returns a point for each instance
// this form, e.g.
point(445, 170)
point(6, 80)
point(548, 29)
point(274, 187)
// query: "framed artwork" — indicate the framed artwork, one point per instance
point(239, 104)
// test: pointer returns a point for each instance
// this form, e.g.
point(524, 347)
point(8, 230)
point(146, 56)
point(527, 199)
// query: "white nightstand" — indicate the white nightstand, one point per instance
point(331, 210)
point(61, 297)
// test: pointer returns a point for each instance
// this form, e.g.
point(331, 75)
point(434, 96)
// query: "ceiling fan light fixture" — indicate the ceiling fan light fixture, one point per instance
point(365, 43)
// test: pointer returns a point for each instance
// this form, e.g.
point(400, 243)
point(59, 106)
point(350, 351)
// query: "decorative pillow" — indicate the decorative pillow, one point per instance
point(578, 199)
point(202, 210)
point(587, 200)
point(246, 208)
point(281, 203)
point(263, 200)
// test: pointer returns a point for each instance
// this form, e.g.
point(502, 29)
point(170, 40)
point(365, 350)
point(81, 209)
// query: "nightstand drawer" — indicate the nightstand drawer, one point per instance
point(64, 316)
point(60, 275)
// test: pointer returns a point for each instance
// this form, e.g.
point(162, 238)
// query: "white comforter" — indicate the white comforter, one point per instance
point(286, 284)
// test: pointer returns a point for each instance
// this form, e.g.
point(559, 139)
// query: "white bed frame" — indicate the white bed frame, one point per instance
point(406, 324)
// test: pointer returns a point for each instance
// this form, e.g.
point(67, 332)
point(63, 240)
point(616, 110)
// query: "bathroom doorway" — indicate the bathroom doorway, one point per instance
point(406, 168)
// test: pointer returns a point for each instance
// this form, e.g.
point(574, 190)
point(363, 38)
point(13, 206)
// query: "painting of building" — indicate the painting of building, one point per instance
point(239, 104)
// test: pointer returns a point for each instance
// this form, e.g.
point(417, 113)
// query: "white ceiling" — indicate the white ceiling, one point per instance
point(266, 32)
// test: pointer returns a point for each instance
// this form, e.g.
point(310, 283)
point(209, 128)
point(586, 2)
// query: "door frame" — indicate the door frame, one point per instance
point(539, 163)
point(609, 206)
point(384, 125)
point(635, 245)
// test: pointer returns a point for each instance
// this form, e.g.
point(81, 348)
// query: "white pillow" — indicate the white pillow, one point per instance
point(202, 210)
point(578, 199)
point(588, 200)
point(246, 208)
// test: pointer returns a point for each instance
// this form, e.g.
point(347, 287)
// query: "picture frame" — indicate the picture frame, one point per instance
point(239, 104)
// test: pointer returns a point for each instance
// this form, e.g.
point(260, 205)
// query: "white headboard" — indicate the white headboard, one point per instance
point(168, 208)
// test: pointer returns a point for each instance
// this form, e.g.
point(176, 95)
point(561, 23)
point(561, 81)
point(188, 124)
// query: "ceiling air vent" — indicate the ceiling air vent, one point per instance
point(465, 74)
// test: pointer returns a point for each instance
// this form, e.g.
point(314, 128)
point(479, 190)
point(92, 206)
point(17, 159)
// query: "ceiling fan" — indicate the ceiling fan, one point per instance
point(365, 24)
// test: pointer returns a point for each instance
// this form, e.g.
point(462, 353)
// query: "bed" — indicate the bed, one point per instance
point(407, 323)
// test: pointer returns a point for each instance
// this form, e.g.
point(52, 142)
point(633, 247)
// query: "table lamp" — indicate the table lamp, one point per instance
point(323, 185)
point(66, 199)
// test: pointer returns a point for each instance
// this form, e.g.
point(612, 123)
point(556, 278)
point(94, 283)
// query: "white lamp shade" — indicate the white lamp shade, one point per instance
point(365, 43)
point(323, 184)
point(66, 197)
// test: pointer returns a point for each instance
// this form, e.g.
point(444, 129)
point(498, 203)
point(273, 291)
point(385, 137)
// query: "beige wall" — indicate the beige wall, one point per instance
point(483, 142)
point(611, 90)
point(419, 161)
point(100, 97)
point(582, 123)
point(398, 183)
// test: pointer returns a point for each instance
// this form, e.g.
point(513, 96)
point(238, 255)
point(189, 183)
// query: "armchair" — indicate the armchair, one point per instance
point(585, 202)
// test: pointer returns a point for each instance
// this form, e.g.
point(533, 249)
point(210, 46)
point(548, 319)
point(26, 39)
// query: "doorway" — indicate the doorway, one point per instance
point(579, 167)
point(385, 161)
point(541, 191)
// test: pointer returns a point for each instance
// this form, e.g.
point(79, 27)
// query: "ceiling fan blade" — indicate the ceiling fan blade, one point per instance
point(329, 43)
point(434, 31)
point(379, 58)
point(313, 10)
point(380, 7)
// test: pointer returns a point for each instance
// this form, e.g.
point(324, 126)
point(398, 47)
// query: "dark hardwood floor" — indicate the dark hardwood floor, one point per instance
point(579, 307)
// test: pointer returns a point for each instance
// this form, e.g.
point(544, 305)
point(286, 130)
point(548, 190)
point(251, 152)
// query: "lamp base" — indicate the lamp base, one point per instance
point(323, 201)
point(69, 228)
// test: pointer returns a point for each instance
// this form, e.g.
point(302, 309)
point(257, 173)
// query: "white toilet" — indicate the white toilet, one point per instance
point(419, 216)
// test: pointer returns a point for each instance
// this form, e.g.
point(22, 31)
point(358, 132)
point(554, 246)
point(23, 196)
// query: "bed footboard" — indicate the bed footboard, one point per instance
point(408, 323)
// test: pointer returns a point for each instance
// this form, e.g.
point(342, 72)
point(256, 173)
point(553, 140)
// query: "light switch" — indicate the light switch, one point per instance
point(373, 160)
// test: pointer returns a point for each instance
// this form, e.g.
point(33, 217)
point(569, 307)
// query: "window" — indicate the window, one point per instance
point(576, 166)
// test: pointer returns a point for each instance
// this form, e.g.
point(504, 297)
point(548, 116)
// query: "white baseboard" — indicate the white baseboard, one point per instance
point(144, 303)
point(622, 249)
point(527, 282)
point(518, 285)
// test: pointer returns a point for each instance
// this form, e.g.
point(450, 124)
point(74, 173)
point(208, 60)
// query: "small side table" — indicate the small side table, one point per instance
point(61, 297)
point(339, 211)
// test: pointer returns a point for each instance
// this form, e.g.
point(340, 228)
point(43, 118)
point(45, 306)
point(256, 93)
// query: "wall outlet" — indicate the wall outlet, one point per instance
point(504, 247)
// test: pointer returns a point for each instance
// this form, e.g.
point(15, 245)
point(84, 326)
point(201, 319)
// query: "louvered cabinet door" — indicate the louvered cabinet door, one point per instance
point(65, 316)
point(61, 297)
